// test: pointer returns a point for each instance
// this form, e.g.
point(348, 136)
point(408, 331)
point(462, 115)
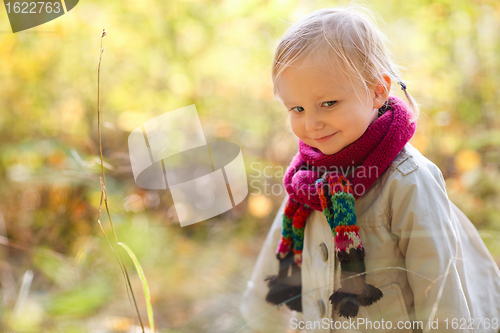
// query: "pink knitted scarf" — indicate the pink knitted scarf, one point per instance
point(322, 182)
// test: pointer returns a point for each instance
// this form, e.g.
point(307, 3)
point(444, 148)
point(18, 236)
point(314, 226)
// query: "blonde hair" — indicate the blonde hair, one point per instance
point(349, 39)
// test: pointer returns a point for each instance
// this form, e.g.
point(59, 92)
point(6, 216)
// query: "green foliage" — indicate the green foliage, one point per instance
point(80, 301)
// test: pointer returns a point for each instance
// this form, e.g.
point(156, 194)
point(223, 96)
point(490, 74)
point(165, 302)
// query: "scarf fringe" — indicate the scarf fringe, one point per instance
point(286, 287)
point(280, 293)
point(347, 304)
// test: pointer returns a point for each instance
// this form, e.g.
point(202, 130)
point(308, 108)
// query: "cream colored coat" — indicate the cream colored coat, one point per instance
point(421, 251)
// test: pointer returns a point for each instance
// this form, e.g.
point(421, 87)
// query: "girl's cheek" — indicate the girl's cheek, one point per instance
point(295, 129)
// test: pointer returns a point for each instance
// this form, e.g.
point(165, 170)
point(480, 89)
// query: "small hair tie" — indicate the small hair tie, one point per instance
point(403, 86)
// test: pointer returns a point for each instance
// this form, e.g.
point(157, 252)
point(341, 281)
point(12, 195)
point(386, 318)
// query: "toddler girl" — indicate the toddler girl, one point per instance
point(366, 239)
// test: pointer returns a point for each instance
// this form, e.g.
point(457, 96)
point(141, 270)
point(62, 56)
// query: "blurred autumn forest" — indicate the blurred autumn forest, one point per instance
point(160, 56)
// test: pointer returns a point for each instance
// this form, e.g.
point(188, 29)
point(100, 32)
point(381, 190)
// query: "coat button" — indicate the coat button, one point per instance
point(321, 308)
point(324, 251)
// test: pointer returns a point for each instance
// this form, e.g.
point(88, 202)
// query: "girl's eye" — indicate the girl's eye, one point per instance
point(329, 103)
point(299, 109)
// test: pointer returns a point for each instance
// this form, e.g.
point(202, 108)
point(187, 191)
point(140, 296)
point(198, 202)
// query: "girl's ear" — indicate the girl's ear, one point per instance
point(382, 91)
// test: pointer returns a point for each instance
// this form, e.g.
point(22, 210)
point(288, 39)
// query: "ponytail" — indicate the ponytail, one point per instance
point(413, 104)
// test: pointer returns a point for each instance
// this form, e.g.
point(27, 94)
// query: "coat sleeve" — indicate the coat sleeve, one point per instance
point(259, 314)
point(422, 221)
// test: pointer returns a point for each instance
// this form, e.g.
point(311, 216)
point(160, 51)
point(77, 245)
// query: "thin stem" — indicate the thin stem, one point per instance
point(103, 187)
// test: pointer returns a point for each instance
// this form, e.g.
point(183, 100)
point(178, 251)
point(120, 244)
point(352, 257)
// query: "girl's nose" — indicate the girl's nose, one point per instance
point(313, 121)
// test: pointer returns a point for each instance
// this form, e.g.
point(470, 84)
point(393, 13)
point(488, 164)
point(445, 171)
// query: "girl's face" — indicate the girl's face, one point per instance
point(326, 111)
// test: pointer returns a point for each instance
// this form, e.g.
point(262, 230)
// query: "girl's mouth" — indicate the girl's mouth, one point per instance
point(325, 138)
